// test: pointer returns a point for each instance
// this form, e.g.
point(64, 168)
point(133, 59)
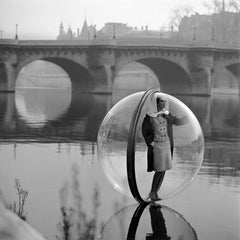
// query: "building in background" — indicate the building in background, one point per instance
point(109, 31)
point(86, 33)
point(222, 27)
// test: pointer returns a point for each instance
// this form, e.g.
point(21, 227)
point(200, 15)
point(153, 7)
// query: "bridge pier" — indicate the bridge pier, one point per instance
point(238, 80)
point(102, 77)
point(9, 120)
point(9, 75)
point(201, 74)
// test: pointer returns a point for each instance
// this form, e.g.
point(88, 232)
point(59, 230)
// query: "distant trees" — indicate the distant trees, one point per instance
point(213, 6)
point(221, 7)
point(235, 5)
point(217, 6)
point(220, 22)
point(178, 14)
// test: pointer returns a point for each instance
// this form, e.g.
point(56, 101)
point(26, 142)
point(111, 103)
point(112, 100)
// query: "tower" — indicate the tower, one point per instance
point(84, 35)
point(61, 29)
point(223, 6)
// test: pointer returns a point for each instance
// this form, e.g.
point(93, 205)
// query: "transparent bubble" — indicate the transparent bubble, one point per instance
point(148, 222)
point(181, 145)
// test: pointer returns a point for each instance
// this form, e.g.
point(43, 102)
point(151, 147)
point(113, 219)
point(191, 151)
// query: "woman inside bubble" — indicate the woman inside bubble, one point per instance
point(157, 130)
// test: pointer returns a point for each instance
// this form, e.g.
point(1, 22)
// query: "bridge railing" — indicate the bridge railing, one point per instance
point(147, 42)
point(174, 42)
point(8, 41)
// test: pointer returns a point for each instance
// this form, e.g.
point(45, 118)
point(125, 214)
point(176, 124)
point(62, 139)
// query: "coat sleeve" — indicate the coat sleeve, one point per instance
point(147, 131)
point(177, 121)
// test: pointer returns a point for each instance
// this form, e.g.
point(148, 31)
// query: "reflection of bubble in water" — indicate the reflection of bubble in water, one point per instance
point(37, 106)
point(147, 222)
point(113, 139)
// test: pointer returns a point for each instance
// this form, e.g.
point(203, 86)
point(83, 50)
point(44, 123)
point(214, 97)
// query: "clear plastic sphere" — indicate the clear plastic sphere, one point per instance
point(148, 222)
point(187, 142)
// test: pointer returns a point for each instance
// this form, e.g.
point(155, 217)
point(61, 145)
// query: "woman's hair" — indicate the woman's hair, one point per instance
point(158, 99)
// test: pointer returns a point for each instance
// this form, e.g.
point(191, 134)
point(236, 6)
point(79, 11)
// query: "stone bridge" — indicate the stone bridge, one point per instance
point(180, 69)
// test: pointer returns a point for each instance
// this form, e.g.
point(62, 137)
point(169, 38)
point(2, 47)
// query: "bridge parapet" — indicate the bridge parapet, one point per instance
point(5, 41)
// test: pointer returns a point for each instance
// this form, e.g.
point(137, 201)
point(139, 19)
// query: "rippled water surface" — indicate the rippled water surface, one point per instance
point(48, 143)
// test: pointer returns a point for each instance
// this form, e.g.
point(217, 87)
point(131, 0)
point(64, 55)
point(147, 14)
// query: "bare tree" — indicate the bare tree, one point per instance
point(218, 6)
point(178, 14)
point(222, 8)
point(214, 6)
point(235, 5)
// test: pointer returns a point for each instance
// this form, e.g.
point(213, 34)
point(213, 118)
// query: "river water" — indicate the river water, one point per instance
point(48, 145)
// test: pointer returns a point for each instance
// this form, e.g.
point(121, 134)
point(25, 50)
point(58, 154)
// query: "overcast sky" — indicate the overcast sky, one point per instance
point(40, 19)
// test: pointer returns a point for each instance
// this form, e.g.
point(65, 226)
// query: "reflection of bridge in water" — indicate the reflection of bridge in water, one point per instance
point(219, 117)
point(80, 120)
point(86, 111)
point(194, 69)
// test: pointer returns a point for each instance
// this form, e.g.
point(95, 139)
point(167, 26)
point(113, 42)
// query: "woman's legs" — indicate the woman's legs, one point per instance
point(156, 184)
point(160, 180)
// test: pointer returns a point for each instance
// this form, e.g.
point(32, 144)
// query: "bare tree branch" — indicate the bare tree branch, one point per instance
point(235, 5)
point(178, 14)
point(217, 6)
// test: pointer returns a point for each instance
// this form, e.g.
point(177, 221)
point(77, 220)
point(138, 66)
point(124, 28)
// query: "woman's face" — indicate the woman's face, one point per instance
point(161, 104)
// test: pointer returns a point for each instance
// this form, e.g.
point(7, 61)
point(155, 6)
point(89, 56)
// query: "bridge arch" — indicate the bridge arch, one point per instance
point(80, 77)
point(226, 76)
point(172, 77)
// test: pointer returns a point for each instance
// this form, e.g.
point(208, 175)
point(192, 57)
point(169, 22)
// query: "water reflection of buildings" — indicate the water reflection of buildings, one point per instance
point(219, 117)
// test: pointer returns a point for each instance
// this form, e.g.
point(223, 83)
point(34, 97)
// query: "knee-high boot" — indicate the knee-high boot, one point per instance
point(160, 180)
point(155, 186)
